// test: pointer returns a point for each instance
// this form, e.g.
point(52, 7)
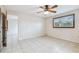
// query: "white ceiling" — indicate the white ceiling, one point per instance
point(33, 9)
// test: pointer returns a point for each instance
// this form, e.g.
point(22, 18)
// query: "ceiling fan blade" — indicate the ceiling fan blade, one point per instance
point(40, 11)
point(54, 6)
point(42, 7)
point(52, 11)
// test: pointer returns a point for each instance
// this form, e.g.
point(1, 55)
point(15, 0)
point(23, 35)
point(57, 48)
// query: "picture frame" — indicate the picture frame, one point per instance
point(67, 21)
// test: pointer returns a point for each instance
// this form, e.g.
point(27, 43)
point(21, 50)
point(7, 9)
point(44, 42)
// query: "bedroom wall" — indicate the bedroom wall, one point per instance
point(70, 34)
point(30, 26)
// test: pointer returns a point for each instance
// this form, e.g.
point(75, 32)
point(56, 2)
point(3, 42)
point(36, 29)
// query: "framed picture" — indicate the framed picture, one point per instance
point(67, 21)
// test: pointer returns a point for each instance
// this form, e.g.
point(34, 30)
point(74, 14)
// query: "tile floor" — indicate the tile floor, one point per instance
point(41, 45)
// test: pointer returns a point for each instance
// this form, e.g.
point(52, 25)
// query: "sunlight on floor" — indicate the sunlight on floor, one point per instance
point(42, 45)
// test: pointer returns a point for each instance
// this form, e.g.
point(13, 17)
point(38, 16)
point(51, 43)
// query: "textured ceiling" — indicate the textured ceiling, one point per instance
point(33, 9)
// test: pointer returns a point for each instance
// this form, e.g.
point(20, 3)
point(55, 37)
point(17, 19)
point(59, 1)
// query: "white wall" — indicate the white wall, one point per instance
point(71, 34)
point(30, 26)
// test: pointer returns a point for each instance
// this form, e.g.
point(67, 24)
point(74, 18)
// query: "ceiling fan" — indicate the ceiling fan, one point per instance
point(48, 8)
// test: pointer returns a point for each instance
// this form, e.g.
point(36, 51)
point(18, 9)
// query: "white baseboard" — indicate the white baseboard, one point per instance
point(62, 39)
point(32, 37)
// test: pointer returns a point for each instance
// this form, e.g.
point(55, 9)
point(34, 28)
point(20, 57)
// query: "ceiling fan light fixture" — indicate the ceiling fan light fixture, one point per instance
point(46, 12)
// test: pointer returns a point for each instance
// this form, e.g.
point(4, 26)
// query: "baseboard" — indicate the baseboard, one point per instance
point(32, 37)
point(62, 39)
